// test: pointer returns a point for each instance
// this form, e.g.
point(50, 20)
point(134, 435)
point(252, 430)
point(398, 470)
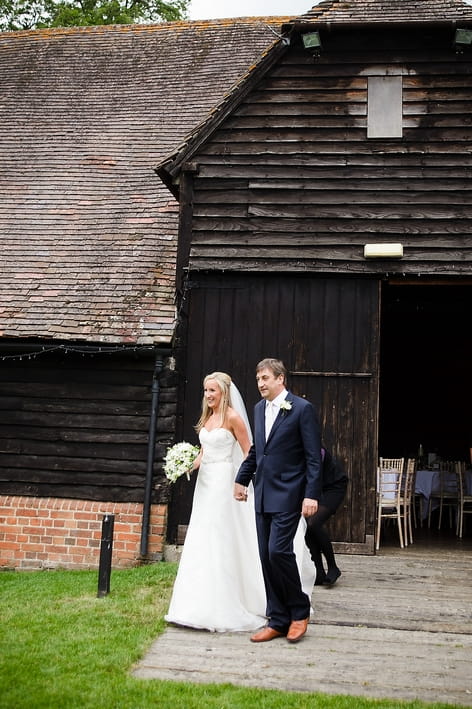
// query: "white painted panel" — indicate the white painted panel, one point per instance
point(384, 107)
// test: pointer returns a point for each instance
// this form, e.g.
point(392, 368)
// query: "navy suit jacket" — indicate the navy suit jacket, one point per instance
point(287, 467)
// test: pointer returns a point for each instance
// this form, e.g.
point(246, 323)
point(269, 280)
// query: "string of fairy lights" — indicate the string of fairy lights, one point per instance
point(84, 350)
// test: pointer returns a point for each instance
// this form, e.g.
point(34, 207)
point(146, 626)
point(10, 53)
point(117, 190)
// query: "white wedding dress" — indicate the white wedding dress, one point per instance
point(219, 584)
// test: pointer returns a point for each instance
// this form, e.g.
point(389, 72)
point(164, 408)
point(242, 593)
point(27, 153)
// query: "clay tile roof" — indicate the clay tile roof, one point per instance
point(87, 230)
point(349, 11)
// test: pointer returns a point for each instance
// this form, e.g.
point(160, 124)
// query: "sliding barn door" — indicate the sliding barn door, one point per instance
point(327, 332)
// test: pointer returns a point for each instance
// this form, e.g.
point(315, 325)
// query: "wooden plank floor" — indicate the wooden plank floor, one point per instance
point(396, 625)
point(409, 589)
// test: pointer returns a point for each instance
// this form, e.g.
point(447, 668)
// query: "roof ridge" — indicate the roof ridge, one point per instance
point(150, 27)
point(389, 10)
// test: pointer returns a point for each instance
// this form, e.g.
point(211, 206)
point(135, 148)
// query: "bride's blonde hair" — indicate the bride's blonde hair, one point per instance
point(224, 382)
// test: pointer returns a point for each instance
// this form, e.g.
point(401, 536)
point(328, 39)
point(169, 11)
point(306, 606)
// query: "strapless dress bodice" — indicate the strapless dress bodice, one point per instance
point(217, 445)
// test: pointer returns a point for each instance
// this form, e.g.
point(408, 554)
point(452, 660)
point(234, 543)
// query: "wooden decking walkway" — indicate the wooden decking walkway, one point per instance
point(397, 625)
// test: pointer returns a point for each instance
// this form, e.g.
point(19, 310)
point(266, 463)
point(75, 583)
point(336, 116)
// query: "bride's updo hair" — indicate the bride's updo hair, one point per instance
point(224, 382)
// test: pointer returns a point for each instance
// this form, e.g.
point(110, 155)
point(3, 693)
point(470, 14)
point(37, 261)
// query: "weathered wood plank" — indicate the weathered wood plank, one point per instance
point(307, 240)
point(58, 438)
point(115, 493)
point(415, 634)
point(326, 196)
point(358, 146)
point(51, 464)
point(415, 72)
point(77, 406)
point(42, 451)
point(417, 135)
point(97, 477)
point(339, 266)
point(301, 93)
point(386, 212)
point(355, 253)
point(360, 226)
point(337, 166)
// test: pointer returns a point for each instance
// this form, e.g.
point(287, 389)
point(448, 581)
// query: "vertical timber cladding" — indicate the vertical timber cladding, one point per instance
point(327, 332)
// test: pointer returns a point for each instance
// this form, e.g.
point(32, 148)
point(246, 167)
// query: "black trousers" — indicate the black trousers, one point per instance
point(316, 537)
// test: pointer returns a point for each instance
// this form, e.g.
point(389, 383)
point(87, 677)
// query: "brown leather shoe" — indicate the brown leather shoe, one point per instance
point(265, 634)
point(297, 630)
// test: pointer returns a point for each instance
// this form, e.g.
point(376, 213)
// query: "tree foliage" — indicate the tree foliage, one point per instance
point(37, 14)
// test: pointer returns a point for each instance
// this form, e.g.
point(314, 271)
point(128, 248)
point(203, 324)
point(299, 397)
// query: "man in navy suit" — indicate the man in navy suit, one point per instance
point(284, 463)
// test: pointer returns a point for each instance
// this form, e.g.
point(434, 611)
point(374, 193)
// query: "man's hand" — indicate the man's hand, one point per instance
point(309, 507)
point(240, 492)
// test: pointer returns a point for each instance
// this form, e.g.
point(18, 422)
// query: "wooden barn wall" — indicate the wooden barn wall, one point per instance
point(291, 181)
point(326, 331)
point(77, 426)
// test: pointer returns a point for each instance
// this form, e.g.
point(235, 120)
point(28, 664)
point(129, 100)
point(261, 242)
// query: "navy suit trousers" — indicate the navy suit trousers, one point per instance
point(285, 599)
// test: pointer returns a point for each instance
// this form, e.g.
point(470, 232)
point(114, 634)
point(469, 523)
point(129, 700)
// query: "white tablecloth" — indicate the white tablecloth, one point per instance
point(427, 483)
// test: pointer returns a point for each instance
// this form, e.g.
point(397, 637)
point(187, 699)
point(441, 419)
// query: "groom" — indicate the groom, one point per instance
point(285, 459)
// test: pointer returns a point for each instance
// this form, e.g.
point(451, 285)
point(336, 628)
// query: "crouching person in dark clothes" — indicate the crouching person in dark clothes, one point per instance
point(334, 484)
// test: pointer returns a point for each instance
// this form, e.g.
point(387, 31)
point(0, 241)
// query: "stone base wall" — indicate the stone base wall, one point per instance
point(48, 533)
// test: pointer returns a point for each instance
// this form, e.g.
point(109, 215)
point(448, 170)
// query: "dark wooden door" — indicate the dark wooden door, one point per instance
point(327, 332)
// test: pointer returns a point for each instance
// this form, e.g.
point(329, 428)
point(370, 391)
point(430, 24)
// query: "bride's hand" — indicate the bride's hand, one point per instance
point(240, 492)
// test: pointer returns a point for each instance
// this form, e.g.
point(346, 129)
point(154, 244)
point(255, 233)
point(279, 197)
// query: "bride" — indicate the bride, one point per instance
point(219, 584)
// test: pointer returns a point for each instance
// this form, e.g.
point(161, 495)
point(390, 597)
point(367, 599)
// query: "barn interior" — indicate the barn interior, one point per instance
point(425, 383)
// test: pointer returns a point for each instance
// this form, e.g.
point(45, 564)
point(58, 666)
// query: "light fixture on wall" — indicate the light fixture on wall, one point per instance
point(312, 42)
point(462, 40)
point(383, 250)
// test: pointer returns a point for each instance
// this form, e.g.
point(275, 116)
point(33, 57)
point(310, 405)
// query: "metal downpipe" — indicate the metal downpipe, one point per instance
point(158, 366)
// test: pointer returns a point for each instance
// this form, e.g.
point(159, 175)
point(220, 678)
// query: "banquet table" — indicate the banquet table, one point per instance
point(428, 482)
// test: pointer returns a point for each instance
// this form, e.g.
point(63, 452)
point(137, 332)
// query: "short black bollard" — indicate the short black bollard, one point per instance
point(106, 547)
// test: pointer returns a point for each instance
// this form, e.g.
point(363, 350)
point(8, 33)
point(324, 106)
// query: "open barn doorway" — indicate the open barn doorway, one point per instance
point(425, 373)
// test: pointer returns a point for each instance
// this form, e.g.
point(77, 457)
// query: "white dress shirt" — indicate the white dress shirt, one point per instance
point(272, 411)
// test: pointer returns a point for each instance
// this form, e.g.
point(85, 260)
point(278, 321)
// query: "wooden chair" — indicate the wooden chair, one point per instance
point(392, 464)
point(408, 500)
point(390, 501)
point(417, 502)
point(448, 490)
point(465, 500)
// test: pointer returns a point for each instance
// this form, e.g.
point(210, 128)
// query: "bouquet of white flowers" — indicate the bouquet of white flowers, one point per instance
point(179, 459)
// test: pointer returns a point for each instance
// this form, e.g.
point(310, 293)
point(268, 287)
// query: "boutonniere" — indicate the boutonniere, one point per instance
point(286, 406)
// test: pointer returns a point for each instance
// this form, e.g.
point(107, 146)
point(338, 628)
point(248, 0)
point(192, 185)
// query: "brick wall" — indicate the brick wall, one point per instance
point(45, 533)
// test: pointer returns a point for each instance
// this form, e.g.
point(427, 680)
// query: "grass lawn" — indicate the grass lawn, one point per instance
point(61, 647)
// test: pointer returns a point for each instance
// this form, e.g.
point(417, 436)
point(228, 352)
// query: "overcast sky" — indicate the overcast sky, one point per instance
point(212, 9)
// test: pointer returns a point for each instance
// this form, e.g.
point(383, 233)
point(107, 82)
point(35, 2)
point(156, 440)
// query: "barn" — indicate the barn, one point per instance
point(325, 219)
point(88, 379)
point(195, 196)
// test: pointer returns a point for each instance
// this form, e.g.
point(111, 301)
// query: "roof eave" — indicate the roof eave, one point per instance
point(330, 25)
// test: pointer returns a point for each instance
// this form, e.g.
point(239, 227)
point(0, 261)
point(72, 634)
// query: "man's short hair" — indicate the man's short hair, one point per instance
point(276, 366)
